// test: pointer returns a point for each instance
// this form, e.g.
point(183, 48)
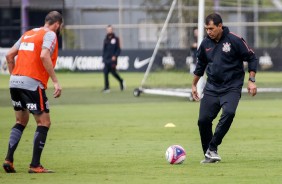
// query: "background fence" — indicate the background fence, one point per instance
point(138, 22)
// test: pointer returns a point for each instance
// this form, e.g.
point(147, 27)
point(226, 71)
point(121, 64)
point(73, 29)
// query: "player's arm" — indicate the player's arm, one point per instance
point(104, 49)
point(10, 58)
point(118, 48)
point(249, 56)
point(117, 51)
point(11, 54)
point(48, 46)
point(252, 88)
point(195, 94)
point(199, 70)
point(45, 57)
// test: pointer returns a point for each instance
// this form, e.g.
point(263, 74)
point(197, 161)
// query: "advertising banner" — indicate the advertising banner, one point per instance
point(138, 60)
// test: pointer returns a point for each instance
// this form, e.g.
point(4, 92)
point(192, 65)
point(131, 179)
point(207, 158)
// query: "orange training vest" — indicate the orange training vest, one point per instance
point(28, 62)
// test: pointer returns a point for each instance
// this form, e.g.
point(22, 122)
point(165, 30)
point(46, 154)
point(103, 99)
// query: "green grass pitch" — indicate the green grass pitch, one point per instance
point(118, 138)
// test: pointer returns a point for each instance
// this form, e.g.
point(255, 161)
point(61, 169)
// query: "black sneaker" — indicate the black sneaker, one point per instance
point(208, 161)
point(122, 85)
point(212, 155)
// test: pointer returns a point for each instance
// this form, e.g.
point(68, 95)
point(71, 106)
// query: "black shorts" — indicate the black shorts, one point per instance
point(35, 101)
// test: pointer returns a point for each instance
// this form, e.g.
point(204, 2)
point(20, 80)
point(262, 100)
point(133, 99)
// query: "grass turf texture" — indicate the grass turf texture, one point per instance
point(118, 138)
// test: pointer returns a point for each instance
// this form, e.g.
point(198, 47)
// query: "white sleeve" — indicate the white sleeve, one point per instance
point(18, 43)
point(49, 41)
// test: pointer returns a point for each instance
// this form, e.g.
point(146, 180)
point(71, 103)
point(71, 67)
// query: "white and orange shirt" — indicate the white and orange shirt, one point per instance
point(28, 62)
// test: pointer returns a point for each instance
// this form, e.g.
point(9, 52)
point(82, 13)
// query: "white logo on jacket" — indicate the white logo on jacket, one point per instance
point(113, 41)
point(226, 47)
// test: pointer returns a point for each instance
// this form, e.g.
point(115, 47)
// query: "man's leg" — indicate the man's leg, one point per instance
point(22, 118)
point(106, 77)
point(116, 75)
point(229, 103)
point(209, 108)
point(43, 125)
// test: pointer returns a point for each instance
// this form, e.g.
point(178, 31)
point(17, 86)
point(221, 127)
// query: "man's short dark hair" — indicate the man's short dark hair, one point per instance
point(53, 17)
point(215, 17)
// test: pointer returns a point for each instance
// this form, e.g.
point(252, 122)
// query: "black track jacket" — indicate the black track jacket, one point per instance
point(111, 48)
point(223, 62)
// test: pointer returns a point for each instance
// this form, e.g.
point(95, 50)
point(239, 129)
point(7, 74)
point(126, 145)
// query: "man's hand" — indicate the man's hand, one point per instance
point(252, 88)
point(57, 91)
point(195, 94)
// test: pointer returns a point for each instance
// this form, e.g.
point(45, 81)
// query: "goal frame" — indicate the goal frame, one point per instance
point(169, 91)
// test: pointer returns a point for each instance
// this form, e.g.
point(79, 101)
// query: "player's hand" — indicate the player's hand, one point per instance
point(114, 65)
point(57, 91)
point(195, 94)
point(114, 58)
point(252, 88)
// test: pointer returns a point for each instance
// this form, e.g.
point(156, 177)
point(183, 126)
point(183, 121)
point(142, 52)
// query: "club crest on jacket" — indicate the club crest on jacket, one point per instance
point(226, 47)
point(113, 41)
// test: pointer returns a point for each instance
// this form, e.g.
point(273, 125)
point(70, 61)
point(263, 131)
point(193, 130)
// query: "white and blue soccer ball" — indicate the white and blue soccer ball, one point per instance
point(175, 154)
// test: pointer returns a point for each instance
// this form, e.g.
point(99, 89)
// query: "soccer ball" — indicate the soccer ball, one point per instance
point(175, 154)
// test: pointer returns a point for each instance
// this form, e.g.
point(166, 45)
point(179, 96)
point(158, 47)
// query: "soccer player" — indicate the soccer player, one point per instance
point(111, 51)
point(36, 52)
point(221, 54)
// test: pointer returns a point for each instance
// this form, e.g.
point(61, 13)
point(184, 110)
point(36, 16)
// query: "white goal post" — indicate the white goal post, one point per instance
point(158, 43)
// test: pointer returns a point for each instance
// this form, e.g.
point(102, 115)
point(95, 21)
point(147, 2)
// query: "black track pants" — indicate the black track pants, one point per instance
point(209, 109)
point(110, 68)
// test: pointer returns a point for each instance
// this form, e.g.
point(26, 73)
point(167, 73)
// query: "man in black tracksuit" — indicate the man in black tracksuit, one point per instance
point(221, 54)
point(111, 51)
